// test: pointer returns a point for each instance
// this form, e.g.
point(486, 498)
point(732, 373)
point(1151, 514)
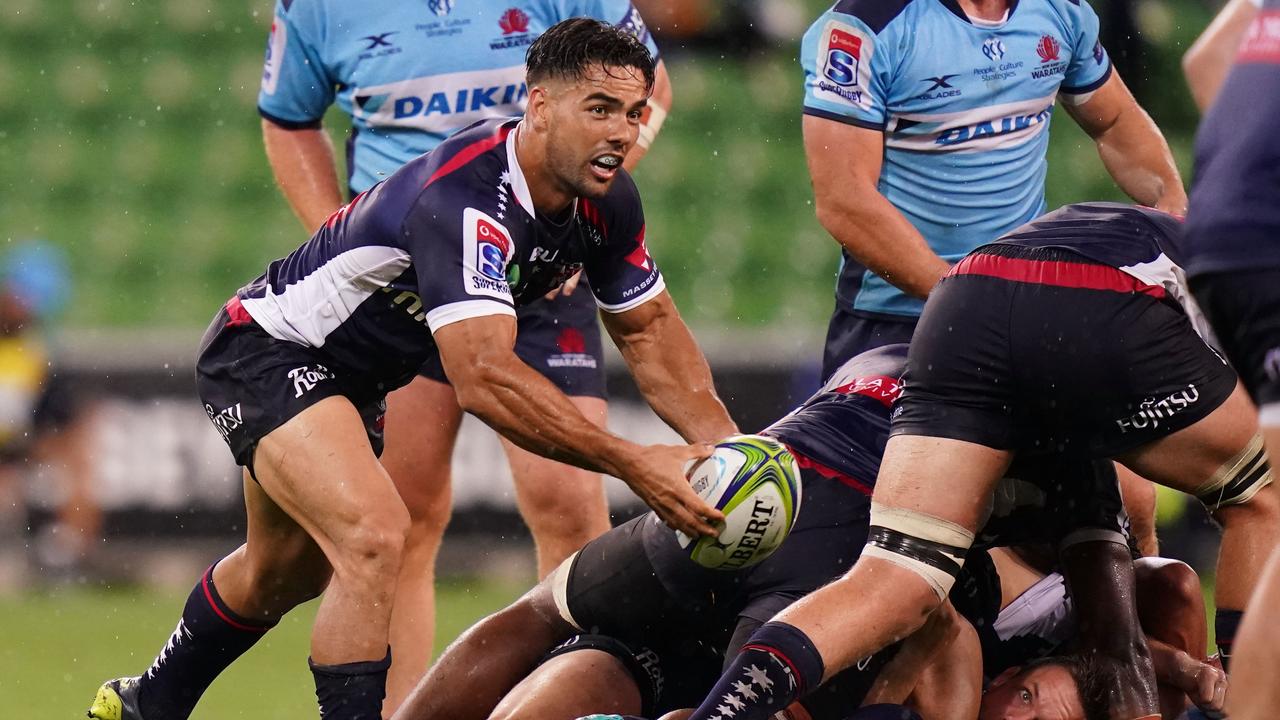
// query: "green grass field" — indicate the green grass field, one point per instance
point(56, 647)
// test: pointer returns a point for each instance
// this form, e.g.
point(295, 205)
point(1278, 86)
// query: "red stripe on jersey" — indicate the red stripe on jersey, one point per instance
point(880, 387)
point(235, 310)
point(830, 473)
point(469, 153)
point(592, 214)
point(1056, 273)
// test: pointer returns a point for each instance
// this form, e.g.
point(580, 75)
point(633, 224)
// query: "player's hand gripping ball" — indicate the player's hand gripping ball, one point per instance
point(755, 482)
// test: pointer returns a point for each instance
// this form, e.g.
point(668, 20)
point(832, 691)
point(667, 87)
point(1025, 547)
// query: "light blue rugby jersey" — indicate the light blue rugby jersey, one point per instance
point(409, 72)
point(964, 107)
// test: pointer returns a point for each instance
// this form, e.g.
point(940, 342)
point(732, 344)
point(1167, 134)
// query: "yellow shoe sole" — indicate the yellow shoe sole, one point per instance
point(107, 704)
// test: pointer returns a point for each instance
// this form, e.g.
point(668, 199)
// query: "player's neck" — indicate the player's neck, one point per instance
point(549, 198)
point(989, 10)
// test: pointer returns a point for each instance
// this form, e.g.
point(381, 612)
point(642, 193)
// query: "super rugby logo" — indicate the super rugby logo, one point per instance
point(844, 52)
point(487, 250)
point(844, 59)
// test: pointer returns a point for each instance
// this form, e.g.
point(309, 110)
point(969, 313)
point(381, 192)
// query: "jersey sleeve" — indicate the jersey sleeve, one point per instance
point(296, 88)
point(619, 269)
point(1090, 66)
point(846, 71)
point(618, 12)
point(461, 255)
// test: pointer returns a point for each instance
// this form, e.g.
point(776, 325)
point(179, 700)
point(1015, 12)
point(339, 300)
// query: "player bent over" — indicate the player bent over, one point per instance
point(645, 629)
point(1064, 337)
point(296, 366)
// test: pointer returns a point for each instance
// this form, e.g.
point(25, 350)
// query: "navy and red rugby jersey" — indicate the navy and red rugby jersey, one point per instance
point(840, 432)
point(450, 236)
point(1234, 223)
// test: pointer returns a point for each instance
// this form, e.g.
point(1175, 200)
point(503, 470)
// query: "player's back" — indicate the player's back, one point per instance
point(840, 432)
point(964, 107)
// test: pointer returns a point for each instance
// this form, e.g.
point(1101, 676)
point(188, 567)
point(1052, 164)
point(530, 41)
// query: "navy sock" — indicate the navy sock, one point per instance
point(351, 691)
point(1225, 624)
point(209, 637)
point(777, 665)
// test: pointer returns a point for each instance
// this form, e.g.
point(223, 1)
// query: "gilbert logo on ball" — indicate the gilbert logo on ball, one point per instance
point(755, 482)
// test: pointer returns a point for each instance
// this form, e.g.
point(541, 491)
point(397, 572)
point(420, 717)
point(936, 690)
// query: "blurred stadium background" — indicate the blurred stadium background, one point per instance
point(129, 141)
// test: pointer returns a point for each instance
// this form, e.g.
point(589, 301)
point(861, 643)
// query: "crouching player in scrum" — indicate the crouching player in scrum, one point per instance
point(646, 630)
point(1065, 337)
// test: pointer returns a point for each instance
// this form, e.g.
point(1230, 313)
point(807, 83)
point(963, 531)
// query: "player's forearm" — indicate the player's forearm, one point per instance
point(1138, 158)
point(529, 410)
point(877, 235)
point(673, 375)
point(303, 164)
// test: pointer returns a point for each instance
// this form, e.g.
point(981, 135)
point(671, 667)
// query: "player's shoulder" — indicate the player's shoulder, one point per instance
point(875, 15)
point(474, 159)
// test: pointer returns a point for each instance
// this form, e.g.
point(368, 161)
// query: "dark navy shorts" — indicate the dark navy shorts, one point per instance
point(251, 383)
point(852, 333)
point(559, 338)
point(1244, 309)
point(1043, 350)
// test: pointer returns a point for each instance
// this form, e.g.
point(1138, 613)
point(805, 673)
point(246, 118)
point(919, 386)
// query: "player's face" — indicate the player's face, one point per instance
point(592, 125)
point(1047, 692)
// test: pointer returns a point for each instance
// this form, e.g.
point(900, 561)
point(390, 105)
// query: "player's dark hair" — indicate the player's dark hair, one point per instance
point(570, 48)
point(1091, 682)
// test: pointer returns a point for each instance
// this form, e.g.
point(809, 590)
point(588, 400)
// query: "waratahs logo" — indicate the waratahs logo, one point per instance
point(514, 20)
point(440, 7)
point(1047, 49)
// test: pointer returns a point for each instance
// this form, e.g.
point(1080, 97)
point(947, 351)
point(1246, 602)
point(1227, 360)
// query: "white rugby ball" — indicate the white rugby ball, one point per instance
point(755, 482)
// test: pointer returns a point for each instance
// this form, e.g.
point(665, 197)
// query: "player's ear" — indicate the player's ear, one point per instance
point(538, 108)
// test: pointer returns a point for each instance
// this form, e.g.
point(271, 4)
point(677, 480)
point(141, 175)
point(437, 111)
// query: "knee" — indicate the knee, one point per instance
point(374, 543)
point(1174, 582)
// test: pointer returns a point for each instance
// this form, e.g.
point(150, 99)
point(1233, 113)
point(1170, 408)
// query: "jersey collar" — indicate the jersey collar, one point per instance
point(954, 7)
point(515, 176)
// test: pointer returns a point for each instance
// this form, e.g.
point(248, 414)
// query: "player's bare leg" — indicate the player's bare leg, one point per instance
point(563, 506)
point(878, 602)
point(422, 427)
point(1254, 693)
point(320, 469)
point(572, 686)
point(929, 486)
point(1184, 461)
point(479, 668)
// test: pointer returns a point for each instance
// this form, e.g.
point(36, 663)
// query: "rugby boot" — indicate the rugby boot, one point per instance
point(117, 700)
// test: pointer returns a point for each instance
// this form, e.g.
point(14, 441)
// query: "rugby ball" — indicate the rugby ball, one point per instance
point(755, 482)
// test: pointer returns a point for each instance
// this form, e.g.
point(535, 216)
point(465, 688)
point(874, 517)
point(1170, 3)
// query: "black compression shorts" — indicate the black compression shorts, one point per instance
point(251, 383)
point(1244, 309)
point(1043, 350)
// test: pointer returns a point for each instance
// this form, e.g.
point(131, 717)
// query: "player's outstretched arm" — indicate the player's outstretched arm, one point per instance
point(1131, 146)
point(1210, 57)
point(844, 166)
point(1099, 575)
point(302, 162)
point(670, 369)
point(492, 383)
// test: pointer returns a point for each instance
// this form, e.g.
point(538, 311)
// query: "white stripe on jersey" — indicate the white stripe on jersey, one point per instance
point(465, 310)
point(636, 301)
point(443, 103)
point(1163, 272)
point(308, 310)
point(992, 127)
point(515, 175)
point(1043, 610)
